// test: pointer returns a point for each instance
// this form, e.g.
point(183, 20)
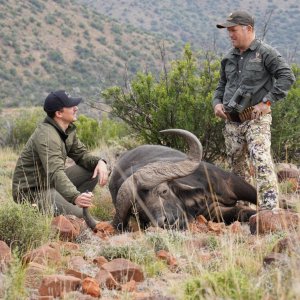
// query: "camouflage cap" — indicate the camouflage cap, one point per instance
point(237, 18)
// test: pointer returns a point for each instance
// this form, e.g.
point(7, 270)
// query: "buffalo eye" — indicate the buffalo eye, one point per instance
point(164, 192)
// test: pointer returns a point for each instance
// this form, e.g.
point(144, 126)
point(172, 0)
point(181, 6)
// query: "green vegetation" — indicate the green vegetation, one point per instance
point(22, 226)
point(181, 98)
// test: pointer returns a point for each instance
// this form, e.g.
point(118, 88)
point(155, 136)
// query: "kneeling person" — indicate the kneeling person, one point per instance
point(40, 175)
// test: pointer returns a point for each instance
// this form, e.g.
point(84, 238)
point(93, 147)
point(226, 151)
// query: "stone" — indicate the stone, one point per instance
point(106, 280)
point(5, 255)
point(48, 253)
point(65, 228)
point(100, 260)
point(166, 256)
point(124, 270)
point(267, 221)
point(34, 274)
point(79, 267)
point(58, 285)
point(275, 258)
point(91, 287)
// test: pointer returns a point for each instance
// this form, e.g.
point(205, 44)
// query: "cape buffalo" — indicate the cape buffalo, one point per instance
point(166, 187)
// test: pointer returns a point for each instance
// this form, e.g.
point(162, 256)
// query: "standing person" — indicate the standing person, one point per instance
point(253, 76)
point(40, 175)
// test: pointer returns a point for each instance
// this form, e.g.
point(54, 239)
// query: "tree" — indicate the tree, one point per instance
point(181, 98)
point(286, 124)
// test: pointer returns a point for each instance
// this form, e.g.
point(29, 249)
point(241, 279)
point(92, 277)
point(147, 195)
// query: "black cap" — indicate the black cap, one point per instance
point(237, 18)
point(59, 99)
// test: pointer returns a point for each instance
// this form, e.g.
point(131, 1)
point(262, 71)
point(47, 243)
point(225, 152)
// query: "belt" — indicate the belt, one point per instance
point(240, 117)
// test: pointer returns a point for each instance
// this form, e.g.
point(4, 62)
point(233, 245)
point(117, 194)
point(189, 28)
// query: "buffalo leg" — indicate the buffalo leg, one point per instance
point(229, 215)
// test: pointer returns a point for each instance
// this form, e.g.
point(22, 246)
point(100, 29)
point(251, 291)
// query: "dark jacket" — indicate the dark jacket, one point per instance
point(259, 70)
point(41, 164)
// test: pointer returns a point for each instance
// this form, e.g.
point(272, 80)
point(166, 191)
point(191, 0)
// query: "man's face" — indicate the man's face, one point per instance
point(69, 114)
point(239, 36)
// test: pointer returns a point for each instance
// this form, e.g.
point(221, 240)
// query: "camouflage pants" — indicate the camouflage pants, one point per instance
point(249, 143)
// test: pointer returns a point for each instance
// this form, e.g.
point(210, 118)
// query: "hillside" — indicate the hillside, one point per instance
point(48, 45)
point(194, 21)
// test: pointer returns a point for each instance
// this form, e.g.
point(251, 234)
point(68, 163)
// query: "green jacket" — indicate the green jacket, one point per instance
point(41, 164)
point(260, 70)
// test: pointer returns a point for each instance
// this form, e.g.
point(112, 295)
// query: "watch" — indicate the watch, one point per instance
point(267, 101)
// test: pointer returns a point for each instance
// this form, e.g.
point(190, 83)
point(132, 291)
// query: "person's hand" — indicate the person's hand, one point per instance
point(259, 110)
point(84, 199)
point(102, 172)
point(220, 111)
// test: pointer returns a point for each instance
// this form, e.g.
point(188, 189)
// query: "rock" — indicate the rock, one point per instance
point(65, 228)
point(104, 230)
point(289, 245)
point(91, 287)
point(106, 280)
point(275, 258)
point(5, 256)
point(124, 270)
point(129, 286)
point(286, 171)
point(79, 267)
point(267, 221)
point(166, 256)
point(216, 227)
point(47, 253)
point(235, 227)
point(100, 260)
point(58, 285)
point(34, 274)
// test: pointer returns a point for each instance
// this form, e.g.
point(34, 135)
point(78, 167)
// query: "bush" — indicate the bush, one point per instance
point(22, 226)
point(24, 126)
point(180, 99)
point(88, 130)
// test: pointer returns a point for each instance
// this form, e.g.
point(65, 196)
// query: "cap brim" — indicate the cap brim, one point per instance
point(226, 25)
point(74, 101)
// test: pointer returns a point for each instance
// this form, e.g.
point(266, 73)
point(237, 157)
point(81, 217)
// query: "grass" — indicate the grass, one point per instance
point(210, 266)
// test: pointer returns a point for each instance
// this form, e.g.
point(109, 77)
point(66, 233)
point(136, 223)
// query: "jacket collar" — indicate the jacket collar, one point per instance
point(63, 134)
point(253, 46)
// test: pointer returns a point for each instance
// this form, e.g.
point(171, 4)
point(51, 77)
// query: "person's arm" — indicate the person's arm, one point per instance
point(282, 73)
point(219, 93)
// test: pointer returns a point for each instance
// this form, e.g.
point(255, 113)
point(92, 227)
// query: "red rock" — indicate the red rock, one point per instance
point(201, 219)
point(79, 267)
point(57, 285)
point(235, 227)
point(100, 260)
point(124, 270)
point(216, 227)
point(267, 221)
point(129, 286)
point(106, 280)
point(5, 255)
point(34, 274)
point(47, 253)
point(166, 256)
point(69, 246)
point(91, 287)
point(65, 228)
point(104, 230)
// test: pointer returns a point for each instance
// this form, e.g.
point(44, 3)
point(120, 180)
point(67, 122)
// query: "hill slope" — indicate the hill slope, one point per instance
point(48, 45)
point(194, 20)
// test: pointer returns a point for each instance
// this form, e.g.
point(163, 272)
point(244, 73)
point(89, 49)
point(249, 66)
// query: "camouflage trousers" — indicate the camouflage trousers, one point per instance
point(248, 145)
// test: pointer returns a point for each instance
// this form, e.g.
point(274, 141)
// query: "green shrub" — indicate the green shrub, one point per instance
point(25, 125)
point(88, 130)
point(22, 226)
